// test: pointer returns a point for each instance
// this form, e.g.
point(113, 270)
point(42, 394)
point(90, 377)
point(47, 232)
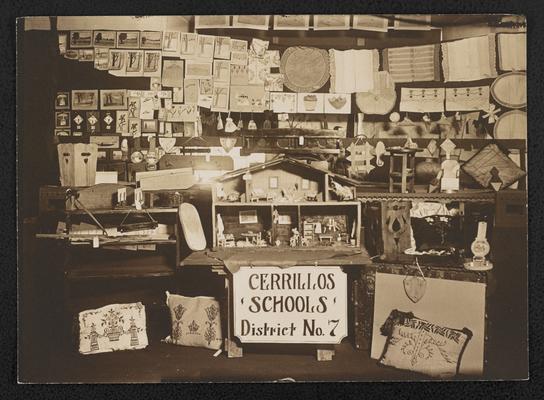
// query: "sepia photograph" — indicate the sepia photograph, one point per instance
point(273, 198)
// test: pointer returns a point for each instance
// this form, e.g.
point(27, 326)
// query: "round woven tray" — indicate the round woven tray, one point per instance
point(511, 125)
point(510, 90)
point(305, 69)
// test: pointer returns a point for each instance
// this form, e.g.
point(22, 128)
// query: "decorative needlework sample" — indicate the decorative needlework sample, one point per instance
point(422, 100)
point(353, 70)
point(412, 64)
point(195, 321)
point(467, 98)
point(111, 328)
point(512, 51)
point(469, 59)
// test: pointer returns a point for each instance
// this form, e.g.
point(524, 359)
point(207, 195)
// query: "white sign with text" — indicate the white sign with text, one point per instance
point(290, 305)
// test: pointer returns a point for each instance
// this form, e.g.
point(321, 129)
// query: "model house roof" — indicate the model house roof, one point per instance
point(285, 160)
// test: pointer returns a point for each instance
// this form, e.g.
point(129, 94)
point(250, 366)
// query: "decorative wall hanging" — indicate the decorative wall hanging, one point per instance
point(478, 55)
point(306, 69)
point(63, 42)
point(84, 99)
point(422, 99)
point(172, 73)
point(128, 39)
point(80, 39)
point(111, 328)
point(121, 122)
point(511, 125)
point(135, 127)
point(260, 22)
point(360, 157)
point(283, 102)
point(491, 156)
point(92, 119)
point(415, 286)
point(381, 99)
point(312, 103)
point(331, 22)
point(491, 114)
point(467, 98)
point(337, 103)
point(62, 119)
point(512, 49)
point(116, 60)
point(170, 42)
point(370, 23)
point(510, 90)
point(352, 70)
point(177, 95)
point(62, 101)
point(412, 64)
point(212, 21)
point(258, 47)
point(182, 113)
point(151, 40)
point(291, 22)
point(195, 321)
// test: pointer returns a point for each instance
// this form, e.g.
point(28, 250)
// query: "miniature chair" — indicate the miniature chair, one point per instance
point(406, 174)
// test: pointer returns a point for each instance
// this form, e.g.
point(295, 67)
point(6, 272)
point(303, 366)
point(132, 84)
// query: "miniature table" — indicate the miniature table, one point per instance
point(407, 172)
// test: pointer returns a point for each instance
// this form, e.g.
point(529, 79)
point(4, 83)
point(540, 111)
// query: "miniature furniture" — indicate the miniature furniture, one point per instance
point(406, 173)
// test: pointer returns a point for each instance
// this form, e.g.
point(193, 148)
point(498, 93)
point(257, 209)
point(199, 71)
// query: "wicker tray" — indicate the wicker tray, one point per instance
point(306, 69)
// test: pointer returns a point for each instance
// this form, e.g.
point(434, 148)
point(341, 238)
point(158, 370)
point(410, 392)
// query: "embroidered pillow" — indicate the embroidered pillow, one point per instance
point(420, 346)
point(195, 321)
point(480, 167)
point(111, 328)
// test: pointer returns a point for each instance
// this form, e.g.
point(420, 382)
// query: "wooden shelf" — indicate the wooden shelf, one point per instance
point(109, 211)
point(112, 271)
point(474, 195)
point(287, 203)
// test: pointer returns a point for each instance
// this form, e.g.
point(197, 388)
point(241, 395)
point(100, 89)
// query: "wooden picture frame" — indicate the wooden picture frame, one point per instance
point(150, 126)
point(113, 99)
point(62, 120)
point(84, 99)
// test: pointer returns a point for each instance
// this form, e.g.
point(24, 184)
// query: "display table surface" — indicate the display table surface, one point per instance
point(232, 259)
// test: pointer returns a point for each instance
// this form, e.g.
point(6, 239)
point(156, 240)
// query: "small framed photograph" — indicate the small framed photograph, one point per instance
point(135, 61)
point(198, 69)
point(150, 126)
point(85, 55)
point(260, 22)
point(62, 119)
point(113, 99)
point(104, 38)
point(188, 43)
point(152, 61)
point(62, 101)
point(80, 39)
point(151, 40)
point(248, 217)
point(212, 21)
point(331, 22)
point(370, 23)
point(292, 22)
point(84, 99)
point(116, 60)
point(128, 39)
point(205, 87)
point(273, 182)
point(62, 132)
point(170, 42)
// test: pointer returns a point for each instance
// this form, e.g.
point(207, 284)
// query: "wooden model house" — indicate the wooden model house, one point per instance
point(285, 202)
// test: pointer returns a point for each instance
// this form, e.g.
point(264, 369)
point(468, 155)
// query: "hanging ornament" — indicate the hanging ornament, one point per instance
point(219, 123)
point(230, 127)
point(240, 122)
point(491, 114)
point(394, 117)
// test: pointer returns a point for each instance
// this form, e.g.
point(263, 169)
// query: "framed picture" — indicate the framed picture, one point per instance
point(115, 99)
point(221, 71)
point(337, 103)
point(205, 87)
point(251, 21)
point(152, 61)
point(104, 38)
point(274, 82)
point(101, 58)
point(212, 21)
point(62, 119)
point(121, 122)
point(412, 22)
point(311, 103)
point(133, 107)
point(135, 61)
point(170, 42)
point(187, 47)
point(239, 75)
point(331, 22)
point(247, 98)
point(239, 57)
point(205, 46)
point(116, 60)
point(238, 45)
point(248, 217)
point(150, 126)
point(151, 40)
point(84, 99)
point(283, 102)
point(172, 73)
point(291, 22)
point(220, 99)
point(85, 55)
point(80, 39)
point(62, 101)
point(190, 90)
point(222, 47)
point(370, 23)
point(198, 69)
point(273, 182)
point(135, 127)
point(128, 39)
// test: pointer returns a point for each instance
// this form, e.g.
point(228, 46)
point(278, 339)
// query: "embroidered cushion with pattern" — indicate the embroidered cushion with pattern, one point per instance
point(195, 321)
point(420, 346)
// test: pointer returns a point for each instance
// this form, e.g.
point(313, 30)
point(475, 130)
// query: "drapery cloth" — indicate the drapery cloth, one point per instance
point(469, 59)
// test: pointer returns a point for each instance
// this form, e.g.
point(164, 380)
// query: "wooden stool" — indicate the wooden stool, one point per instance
point(406, 174)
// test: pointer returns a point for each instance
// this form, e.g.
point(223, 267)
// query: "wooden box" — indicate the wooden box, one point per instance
point(181, 178)
point(77, 163)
